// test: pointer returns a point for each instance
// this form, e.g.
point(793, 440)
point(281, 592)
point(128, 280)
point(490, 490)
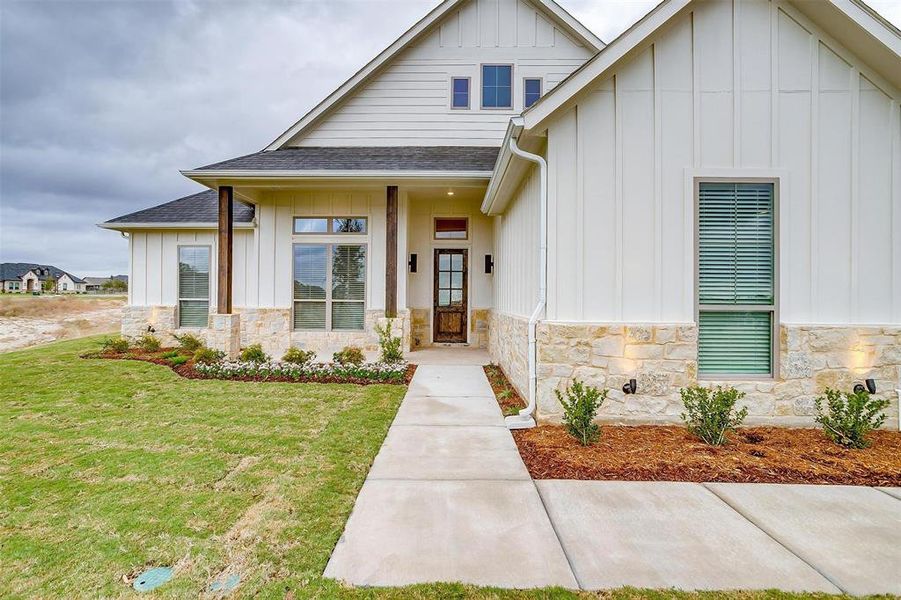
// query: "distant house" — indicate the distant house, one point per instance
point(31, 277)
point(95, 285)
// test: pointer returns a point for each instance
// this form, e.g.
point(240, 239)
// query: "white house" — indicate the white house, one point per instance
point(714, 197)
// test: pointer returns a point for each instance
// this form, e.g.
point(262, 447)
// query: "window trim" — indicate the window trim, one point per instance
point(329, 222)
point(178, 298)
point(468, 92)
point(328, 300)
point(482, 86)
point(540, 81)
point(773, 309)
point(435, 237)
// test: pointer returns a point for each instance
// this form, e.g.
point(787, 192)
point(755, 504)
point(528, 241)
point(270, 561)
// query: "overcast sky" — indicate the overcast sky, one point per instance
point(102, 102)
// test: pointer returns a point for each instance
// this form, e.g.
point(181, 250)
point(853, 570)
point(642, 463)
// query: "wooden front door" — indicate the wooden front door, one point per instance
point(450, 295)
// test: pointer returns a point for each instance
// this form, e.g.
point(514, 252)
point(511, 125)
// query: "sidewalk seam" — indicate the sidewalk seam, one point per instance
point(556, 534)
point(773, 537)
point(886, 493)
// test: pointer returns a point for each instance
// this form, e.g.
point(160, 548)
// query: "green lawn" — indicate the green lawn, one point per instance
point(107, 467)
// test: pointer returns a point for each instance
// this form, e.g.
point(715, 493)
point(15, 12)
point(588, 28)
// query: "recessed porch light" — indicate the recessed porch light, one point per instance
point(450, 193)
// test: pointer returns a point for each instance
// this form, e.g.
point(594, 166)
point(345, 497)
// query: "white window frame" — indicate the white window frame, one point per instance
point(209, 299)
point(741, 176)
point(328, 300)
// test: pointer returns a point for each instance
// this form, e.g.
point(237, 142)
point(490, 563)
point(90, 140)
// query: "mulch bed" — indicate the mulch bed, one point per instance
point(507, 396)
point(671, 453)
point(188, 371)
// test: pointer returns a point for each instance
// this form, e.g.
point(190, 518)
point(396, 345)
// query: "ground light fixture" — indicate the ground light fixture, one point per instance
point(870, 387)
point(630, 387)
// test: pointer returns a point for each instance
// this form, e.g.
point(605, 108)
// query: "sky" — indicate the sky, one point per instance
point(102, 102)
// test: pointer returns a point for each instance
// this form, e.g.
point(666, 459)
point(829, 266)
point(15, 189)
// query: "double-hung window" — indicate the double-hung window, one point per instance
point(329, 286)
point(736, 279)
point(497, 86)
point(193, 286)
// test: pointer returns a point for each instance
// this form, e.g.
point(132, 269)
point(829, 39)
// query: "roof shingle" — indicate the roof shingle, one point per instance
point(202, 207)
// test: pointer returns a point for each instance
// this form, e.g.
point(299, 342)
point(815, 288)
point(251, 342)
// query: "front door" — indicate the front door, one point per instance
point(450, 296)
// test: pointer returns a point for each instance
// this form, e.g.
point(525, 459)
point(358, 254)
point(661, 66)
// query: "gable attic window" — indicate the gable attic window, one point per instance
point(460, 92)
point(736, 279)
point(531, 91)
point(193, 286)
point(497, 86)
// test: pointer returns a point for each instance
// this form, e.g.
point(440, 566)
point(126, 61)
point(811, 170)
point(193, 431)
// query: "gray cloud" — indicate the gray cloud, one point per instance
point(102, 102)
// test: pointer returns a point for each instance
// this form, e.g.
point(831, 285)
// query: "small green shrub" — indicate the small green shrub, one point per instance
point(349, 355)
point(254, 353)
point(116, 345)
point(849, 417)
point(207, 356)
point(710, 414)
point(188, 342)
point(296, 356)
point(178, 360)
point(148, 343)
point(170, 354)
point(580, 405)
point(389, 345)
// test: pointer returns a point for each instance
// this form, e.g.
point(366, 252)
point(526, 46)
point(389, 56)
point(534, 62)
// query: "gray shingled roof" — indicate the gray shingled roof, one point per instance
point(202, 207)
point(12, 271)
point(361, 158)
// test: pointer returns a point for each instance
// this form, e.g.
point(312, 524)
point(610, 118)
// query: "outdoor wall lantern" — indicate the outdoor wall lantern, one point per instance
point(489, 264)
point(412, 263)
point(870, 387)
point(630, 387)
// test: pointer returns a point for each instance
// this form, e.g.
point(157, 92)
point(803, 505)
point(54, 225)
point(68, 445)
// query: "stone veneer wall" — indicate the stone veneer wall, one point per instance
point(270, 327)
point(421, 327)
point(663, 358)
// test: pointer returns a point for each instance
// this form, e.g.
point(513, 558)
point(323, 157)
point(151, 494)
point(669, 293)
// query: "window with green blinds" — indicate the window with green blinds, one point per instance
point(329, 286)
point(193, 286)
point(736, 278)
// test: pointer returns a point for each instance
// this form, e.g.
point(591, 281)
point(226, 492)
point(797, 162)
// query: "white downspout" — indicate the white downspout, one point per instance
point(524, 419)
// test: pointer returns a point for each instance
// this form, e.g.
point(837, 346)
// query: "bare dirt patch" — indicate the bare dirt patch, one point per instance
point(31, 320)
point(671, 453)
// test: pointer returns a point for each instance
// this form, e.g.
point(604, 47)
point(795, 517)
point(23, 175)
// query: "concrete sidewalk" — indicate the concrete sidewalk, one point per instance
point(448, 498)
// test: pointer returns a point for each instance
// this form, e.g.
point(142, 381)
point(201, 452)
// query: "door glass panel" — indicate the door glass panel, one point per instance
point(457, 262)
point(443, 297)
point(444, 262)
point(457, 280)
point(443, 279)
point(456, 296)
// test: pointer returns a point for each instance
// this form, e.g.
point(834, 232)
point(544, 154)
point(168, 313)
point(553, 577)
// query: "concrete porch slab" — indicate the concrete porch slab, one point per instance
point(442, 453)
point(663, 535)
point(454, 410)
point(443, 355)
point(449, 380)
point(852, 535)
point(480, 532)
point(892, 491)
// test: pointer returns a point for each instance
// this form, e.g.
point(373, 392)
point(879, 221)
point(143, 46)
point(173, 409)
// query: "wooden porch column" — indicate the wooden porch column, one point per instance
point(224, 299)
point(391, 254)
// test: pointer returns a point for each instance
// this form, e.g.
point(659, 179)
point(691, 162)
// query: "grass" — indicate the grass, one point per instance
point(108, 467)
point(46, 306)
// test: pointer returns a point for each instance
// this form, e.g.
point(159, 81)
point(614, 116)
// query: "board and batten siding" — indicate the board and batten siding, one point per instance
point(516, 242)
point(408, 102)
point(745, 88)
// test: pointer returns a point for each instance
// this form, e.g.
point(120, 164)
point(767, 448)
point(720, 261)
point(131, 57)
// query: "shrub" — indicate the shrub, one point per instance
point(389, 345)
point(116, 345)
point(254, 353)
point(296, 356)
point(170, 354)
point(148, 343)
point(709, 414)
point(580, 405)
point(207, 356)
point(850, 416)
point(349, 355)
point(178, 360)
point(188, 342)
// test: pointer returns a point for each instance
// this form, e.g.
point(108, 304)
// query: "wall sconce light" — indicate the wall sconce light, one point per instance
point(412, 263)
point(630, 387)
point(870, 387)
point(489, 264)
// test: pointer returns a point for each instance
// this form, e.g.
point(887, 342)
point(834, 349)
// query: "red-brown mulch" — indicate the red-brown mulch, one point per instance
point(506, 395)
point(188, 371)
point(671, 453)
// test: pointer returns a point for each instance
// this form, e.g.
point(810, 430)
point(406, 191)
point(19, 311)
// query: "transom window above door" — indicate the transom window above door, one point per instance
point(324, 225)
point(451, 228)
point(497, 86)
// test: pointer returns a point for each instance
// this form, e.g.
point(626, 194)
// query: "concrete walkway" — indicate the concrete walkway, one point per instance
point(448, 498)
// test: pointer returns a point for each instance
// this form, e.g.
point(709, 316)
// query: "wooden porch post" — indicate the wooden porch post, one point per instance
point(224, 298)
point(391, 254)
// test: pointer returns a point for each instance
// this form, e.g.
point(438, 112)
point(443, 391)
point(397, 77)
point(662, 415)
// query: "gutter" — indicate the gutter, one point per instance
point(525, 420)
